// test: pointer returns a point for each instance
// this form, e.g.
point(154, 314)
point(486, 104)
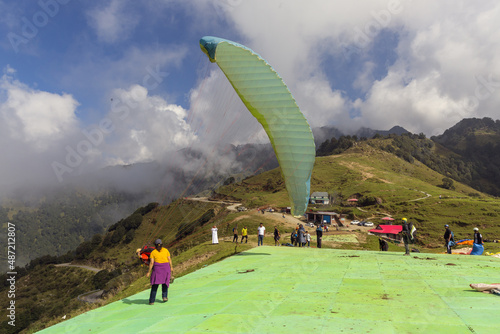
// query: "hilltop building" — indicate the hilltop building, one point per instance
point(322, 217)
point(319, 197)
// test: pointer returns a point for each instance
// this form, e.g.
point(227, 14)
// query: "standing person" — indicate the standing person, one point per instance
point(308, 238)
point(319, 235)
point(406, 235)
point(244, 234)
point(448, 238)
point(235, 234)
point(302, 236)
point(262, 231)
point(160, 270)
point(293, 238)
point(276, 236)
point(477, 247)
point(215, 239)
point(383, 245)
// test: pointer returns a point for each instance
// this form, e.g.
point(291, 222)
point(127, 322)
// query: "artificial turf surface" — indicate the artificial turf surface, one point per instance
point(284, 289)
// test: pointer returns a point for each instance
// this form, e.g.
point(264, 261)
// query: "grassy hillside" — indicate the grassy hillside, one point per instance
point(403, 189)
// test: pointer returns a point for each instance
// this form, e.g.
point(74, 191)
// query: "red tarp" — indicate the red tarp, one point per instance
point(387, 229)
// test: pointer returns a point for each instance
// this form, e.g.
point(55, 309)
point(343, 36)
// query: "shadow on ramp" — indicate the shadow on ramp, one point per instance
point(136, 301)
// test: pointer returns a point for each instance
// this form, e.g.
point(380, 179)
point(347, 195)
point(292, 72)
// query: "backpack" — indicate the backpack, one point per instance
point(412, 230)
point(145, 253)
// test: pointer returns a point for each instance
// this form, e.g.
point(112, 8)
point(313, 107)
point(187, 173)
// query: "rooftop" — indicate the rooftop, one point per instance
point(319, 194)
point(389, 229)
point(313, 290)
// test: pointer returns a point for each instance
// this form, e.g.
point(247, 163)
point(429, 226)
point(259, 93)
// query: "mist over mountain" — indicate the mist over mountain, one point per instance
point(327, 132)
point(54, 218)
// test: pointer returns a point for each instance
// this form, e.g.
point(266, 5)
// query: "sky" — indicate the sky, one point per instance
point(88, 84)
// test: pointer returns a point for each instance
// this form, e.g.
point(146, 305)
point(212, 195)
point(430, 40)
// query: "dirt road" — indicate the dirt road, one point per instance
point(78, 266)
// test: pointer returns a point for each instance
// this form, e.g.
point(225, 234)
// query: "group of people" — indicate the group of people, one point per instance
point(244, 234)
point(449, 241)
point(300, 237)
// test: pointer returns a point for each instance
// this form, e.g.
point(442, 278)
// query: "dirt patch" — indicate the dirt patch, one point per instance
point(246, 271)
point(424, 258)
point(451, 264)
point(364, 170)
point(193, 261)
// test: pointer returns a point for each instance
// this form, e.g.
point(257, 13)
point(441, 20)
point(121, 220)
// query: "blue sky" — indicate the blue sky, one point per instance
point(133, 72)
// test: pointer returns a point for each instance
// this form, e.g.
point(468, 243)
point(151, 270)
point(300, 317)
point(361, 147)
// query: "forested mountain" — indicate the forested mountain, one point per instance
point(477, 142)
point(469, 152)
point(58, 223)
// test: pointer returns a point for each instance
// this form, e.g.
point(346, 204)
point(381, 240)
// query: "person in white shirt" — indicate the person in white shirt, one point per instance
point(262, 232)
point(215, 239)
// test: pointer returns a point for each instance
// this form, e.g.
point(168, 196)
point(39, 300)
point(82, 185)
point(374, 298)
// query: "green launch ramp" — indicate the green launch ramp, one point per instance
point(293, 290)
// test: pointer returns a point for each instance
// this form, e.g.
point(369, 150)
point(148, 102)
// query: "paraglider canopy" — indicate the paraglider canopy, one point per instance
point(268, 99)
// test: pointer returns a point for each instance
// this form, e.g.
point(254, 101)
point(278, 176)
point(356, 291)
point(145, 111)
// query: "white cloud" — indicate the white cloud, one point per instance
point(35, 127)
point(145, 127)
point(219, 117)
point(112, 22)
point(35, 117)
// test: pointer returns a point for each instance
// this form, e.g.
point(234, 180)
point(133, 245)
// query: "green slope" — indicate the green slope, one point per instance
point(312, 290)
point(403, 189)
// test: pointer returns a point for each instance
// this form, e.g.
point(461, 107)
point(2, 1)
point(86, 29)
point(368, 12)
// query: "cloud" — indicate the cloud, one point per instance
point(145, 127)
point(35, 117)
point(444, 53)
point(111, 22)
point(218, 115)
point(35, 126)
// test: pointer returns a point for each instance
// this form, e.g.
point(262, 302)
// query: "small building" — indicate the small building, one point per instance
point(287, 210)
point(389, 231)
point(321, 217)
point(319, 197)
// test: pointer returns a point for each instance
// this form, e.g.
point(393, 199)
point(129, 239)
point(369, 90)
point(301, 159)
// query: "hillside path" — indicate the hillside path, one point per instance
point(78, 266)
point(421, 198)
point(232, 205)
point(91, 296)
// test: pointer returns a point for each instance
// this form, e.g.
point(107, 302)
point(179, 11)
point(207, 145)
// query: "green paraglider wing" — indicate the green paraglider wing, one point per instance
point(268, 99)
